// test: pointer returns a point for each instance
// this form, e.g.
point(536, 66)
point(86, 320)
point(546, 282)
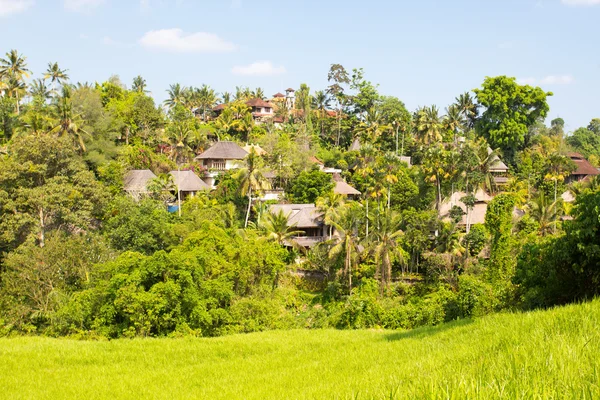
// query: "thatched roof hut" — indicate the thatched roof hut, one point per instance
point(136, 180)
point(188, 181)
point(223, 151)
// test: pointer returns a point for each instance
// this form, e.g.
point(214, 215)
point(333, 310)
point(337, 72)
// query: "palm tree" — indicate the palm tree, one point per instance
point(259, 93)
point(372, 127)
point(330, 206)
point(39, 91)
point(276, 228)
point(252, 180)
point(347, 243)
point(546, 214)
point(162, 186)
point(207, 98)
point(139, 84)
point(467, 108)
point(56, 75)
point(226, 97)
point(14, 67)
point(454, 121)
point(176, 94)
point(321, 103)
point(428, 124)
point(68, 122)
point(386, 247)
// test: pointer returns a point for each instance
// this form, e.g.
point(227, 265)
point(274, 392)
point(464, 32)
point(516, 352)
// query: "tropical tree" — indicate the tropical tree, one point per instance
point(347, 240)
point(276, 228)
point(13, 69)
point(428, 125)
point(385, 245)
point(162, 186)
point(56, 75)
point(252, 180)
point(454, 121)
point(545, 212)
point(69, 123)
point(39, 91)
point(321, 103)
point(176, 94)
point(330, 206)
point(467, 108)
point(139, 85)
point(207, 98)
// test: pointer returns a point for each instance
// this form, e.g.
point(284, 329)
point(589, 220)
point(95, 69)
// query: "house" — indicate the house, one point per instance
point(135, 182)
point(498, 169)
point(222, 156)
point(260, 108)
point(343, 188)
point(305, 218)
point(476, 215)
point(584, 170)
point(188, 183)
point(290, 99)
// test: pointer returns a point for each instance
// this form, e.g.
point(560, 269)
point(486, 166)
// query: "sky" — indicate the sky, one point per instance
point(422, 51)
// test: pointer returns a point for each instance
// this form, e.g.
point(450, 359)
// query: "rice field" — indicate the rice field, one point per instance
point(541, 355)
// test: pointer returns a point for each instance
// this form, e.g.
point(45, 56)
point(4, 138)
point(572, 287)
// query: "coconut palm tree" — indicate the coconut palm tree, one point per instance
point(252, 180)
point(347, 243)
point(321, 103)
point(56, 75)
point(39, 91)
point(226, 97)
point(467, 108)
point(545, 212)
point(139, 84)
point(276, 228)
point(14, 68)
point(69, 123)
point(330, 206)
point(176, 94)
point(207, 98)
point(428, 124)
point(386, 247)
point(259, 93)
point(454, 121)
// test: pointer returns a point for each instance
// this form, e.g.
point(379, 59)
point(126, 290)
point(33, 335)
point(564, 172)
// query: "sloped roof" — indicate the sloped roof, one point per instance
point(300, 215)
point(289, 90)
point(315, 160)
point(188, 181)
point(258, 103)
point(478, 212)
point(497, 165)
point(343, 188)
point(257, 149)
point(220, 107)
point(137, 179)
point(224, 151)
point(278, 95)
point(583, 166)
point(355, 145)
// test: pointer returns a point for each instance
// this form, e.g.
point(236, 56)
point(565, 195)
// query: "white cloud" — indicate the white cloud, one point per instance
point(548, 80)
point(9, 7)
point(82, 5)
point(259, 68)
point(175, 40)
point(581, 2)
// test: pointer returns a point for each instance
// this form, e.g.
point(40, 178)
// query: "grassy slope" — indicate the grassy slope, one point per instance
point(553, 354)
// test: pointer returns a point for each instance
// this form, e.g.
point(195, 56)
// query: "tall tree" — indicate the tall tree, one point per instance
point(56, 75)
point(386, 246)
point(252, 180)
point(347, 242)
point(14, 67)
point(139, 84)
point(510, 109)
point(339, 78)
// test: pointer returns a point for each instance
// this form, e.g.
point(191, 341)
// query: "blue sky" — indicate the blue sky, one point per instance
point(424, 52)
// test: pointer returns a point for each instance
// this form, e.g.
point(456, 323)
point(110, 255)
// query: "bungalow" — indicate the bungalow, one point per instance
point(135, 182)
point(188, 183)
point(259, 108)
point(584, 170)
point(343, 188)
point(498, 169)
point(305, 218)
point(476, 215)
point(222, 156)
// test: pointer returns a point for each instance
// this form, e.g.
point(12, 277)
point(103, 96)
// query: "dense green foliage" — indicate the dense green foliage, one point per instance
point(80, 257)
point(541, 355)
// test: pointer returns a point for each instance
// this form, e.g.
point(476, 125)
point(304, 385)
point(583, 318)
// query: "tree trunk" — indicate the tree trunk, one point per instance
point(42, 227)
point(17, 97)
point(367, 218)
point(249, 205)
point(349, 266)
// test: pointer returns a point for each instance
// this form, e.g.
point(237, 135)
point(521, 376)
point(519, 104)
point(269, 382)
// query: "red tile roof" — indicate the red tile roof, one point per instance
point(220, 107)
point(258, 103)
point(289, 90)
point(276, 95)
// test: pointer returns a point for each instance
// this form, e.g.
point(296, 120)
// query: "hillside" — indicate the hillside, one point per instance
point(545, 354)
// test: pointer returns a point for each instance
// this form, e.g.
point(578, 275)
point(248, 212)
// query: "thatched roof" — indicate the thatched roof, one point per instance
point(224, 151)
point(343, 188)
point(355, 146)
point(583, 166)
point(497, 165)
point(136, 180)
point(300, 215)
point(257, 149)
point(188, 181)
point(477, 215)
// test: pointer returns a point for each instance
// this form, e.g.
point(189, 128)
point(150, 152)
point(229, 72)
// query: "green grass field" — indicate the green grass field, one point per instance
point(542, 355)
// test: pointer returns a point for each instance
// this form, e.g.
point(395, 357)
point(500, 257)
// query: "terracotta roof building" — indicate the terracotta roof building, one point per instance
point(584, 169)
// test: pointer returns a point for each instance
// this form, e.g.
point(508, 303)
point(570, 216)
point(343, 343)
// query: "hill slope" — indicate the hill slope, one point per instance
point(550, 354)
